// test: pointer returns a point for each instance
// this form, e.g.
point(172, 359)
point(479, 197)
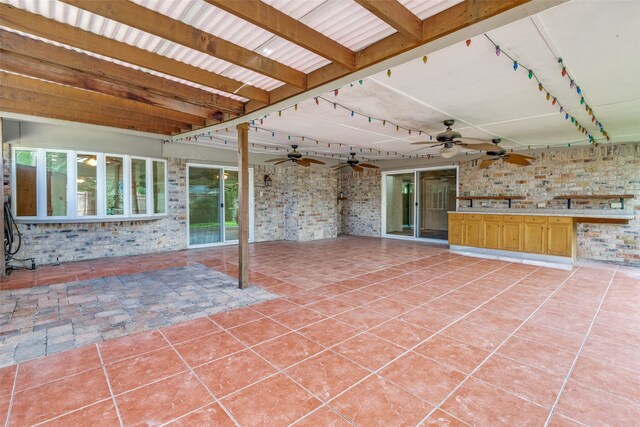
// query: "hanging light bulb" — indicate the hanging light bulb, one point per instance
point(553, 102)
point(564, 71)
point(317, 100)
point(581, 100)
point(280, 113)
point(572, 84)
point(540, 87)
point(335, 92)
point(353, 114)
point(369, 119)
point(335, 105)
point(468, 42)
point(389, 72)
point(578, 90)
point(515, 65)
point(360, 81)
point(530, 74)
point(295, 107)
point(548, 96)
point(497, 50)
point(424, 59)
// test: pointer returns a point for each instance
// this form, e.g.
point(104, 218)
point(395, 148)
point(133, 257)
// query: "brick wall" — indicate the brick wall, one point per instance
point(300, 205)
point(360, 212)
point(607, 169)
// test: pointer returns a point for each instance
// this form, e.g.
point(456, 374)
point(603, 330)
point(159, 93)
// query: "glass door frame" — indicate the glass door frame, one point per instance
point(223, 241)
point(416, 199)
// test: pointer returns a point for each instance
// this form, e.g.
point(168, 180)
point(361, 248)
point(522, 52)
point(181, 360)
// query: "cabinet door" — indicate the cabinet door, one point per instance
point(491, 231)
point(473, 230)
point(535, 238)
point(456, 225)
point(512, 234)
point(560, 239)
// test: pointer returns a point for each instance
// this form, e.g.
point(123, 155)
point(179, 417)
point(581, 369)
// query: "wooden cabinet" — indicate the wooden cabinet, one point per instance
point(535, 235)
point(512, 232)
point(472, 230)
point(456, 229)
point(560, 232)
point(492, 231)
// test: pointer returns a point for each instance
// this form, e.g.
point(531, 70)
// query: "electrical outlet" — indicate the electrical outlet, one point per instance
point(616, 205)
point(542, 205)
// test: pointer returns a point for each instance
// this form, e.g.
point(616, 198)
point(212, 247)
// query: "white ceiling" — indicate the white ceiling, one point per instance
point(484, 94)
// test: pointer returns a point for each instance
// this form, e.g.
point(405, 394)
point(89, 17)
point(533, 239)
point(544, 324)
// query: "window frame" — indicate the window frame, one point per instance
point(72, 187)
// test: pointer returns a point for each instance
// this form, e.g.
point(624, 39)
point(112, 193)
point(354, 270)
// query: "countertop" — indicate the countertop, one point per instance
point(576, 213)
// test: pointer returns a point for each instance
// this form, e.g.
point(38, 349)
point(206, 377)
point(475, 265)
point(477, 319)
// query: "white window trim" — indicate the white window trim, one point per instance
point(72, 214)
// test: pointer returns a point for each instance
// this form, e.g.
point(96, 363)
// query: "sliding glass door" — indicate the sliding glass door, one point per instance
point(416, 202)
point(213, 205)
point(400, 199)
point(437, 196)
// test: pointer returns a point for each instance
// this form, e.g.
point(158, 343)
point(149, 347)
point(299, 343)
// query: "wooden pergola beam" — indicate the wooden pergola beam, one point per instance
point(25, 65)
point(66, 92)
point(155, 23)
point(396, 15)
point(455, 18)
point(271, 19)
point(123, 77)
point(36, 104)
point(38, 25)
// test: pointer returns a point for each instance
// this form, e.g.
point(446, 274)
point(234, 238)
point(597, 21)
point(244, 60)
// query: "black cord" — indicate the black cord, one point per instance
point(10, 226)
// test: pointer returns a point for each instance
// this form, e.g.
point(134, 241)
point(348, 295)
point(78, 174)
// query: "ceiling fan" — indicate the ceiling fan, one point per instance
point(453, 143)
point(355, 164)
point(295, 157)
point(500, 153)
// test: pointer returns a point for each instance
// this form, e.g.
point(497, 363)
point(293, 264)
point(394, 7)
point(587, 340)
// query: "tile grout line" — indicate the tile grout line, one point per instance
point(584, 341)
point(13, 392)
point(193, 372)
point(498, 347)
point(113, 397)
point(375, 372)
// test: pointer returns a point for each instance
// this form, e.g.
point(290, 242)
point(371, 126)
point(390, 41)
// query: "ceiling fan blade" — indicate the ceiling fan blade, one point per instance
point(368, 165)
point(340, 166)
point(357, 168)
point(516, 160)
point(274, 160)
point(522, 156)
point(426, 142)
point(281, 161)
point(486, 163)
point(471, 141)
point(310, 160)
point(303, 162)
point(480, 147)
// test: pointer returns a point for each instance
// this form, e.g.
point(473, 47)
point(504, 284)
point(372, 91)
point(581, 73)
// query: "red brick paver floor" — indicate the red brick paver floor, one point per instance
point(368, 332)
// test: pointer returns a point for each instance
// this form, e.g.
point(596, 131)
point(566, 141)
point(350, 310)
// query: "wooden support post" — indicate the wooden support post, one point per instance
point(3, 267)
point(243, 205)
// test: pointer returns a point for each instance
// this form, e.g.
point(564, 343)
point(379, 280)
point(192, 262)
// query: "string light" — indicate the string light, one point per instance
point(389, 72)
point(424, 59)
point(497, 50)
point(548, 95)
point(468, 42)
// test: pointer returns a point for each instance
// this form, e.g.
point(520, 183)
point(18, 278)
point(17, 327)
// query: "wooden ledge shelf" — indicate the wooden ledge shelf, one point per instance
point(570, 197)
point(472, 198)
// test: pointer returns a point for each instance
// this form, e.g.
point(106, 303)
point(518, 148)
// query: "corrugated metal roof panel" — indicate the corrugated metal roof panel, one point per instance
point(424, 9)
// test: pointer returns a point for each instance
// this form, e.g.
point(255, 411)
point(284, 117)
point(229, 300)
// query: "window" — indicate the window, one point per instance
point(114, 185)
point(61, 184)
point(159, 201)
point(87, 185)
point(138, 186)
point(56, 183)
point(26, 163)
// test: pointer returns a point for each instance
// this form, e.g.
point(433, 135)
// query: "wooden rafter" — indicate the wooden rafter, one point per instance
point(396, 15)
point(455, 18)
point(283, 25)
point(31, 23)
point(66, 92)
point(37, 104)
point(126, 81)
point(155, 23)
point(25, 65)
